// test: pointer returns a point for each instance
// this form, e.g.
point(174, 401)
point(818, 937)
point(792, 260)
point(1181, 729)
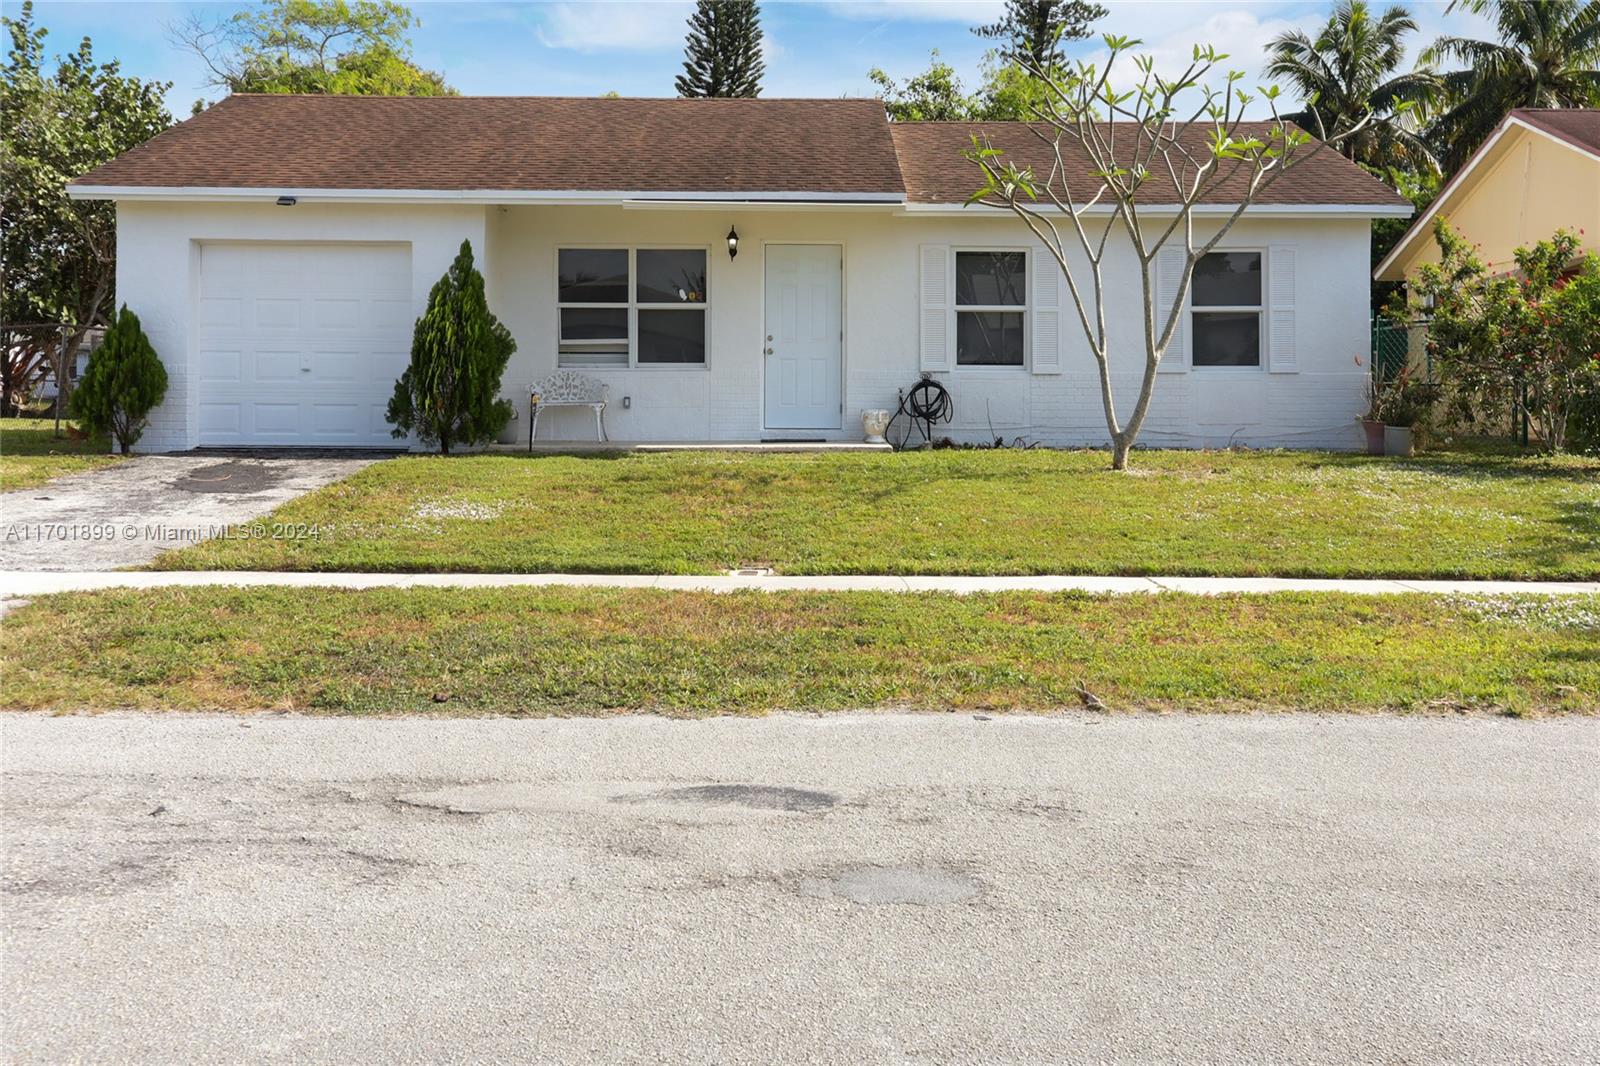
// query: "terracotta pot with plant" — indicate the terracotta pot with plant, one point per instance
point(1372, 421)
point(1402, 404)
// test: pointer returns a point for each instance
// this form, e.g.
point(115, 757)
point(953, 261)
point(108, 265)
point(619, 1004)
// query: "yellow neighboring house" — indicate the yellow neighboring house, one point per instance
point(1538, 172)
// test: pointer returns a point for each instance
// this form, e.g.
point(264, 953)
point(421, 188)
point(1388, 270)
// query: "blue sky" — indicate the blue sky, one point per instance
point(814, 49)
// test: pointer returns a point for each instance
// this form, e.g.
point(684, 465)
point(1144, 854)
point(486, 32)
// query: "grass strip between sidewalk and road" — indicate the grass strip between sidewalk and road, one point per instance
point(588, 651)
point(1283, 514)
point(31, 454)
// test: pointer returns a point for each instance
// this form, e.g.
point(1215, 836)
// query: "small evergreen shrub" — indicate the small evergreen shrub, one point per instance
point(449, 394)
point(123, 383)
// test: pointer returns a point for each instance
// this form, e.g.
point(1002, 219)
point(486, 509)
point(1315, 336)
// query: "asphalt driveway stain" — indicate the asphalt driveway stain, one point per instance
point(231, 476)
point(756, 797)
point(877, 885)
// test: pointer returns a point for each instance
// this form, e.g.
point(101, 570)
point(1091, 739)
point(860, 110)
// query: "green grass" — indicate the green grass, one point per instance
point(31, 454)
point(948, 512)
point(589, 651)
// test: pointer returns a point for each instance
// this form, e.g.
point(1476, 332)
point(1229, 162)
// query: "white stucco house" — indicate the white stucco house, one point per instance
point(279, 248)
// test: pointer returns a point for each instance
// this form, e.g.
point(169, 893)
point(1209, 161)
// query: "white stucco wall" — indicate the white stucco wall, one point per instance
point(1316, 407)
point(1202, 407)
point(158, 254)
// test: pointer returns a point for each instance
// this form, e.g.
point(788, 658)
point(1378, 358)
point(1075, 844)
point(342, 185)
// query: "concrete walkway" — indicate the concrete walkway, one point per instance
point(41, 583)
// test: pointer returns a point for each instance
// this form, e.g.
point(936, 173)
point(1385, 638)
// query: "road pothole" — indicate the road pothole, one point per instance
point(756, 797)
point(875, 885)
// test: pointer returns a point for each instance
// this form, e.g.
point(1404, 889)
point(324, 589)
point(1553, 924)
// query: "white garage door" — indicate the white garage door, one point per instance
point(300, 344)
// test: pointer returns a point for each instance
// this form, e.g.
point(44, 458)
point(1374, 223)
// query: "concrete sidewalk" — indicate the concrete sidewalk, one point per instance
point(15, 583)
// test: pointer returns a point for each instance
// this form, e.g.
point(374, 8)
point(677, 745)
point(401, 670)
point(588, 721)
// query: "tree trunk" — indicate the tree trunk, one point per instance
point(1121, 445)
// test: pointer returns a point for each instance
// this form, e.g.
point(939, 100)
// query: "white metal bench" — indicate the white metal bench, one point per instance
point(566, 388)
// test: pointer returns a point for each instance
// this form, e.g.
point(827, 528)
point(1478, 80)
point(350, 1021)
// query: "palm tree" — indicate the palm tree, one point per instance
point(1546, 57)
point(1347, 73)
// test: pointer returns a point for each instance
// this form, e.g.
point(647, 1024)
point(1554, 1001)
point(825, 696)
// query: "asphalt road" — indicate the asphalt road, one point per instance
point(847, 889)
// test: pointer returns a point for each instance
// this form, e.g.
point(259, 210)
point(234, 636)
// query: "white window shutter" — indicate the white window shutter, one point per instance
point(1047, 316)
point(1283, 356)
point(1170, 262)
point(938, 308)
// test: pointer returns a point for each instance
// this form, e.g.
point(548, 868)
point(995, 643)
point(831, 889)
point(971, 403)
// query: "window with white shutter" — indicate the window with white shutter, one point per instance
point(1169, 276)
point(1283, 356)
point(934, 340)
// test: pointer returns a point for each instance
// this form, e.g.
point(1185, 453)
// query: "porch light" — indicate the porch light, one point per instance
point(733, 242)
point(287, 201)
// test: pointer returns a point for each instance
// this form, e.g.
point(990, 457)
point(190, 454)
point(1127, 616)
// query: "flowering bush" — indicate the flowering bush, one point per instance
point(1532, 336)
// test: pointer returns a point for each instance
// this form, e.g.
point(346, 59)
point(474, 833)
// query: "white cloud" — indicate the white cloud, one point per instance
point(619, 27)
point(1170, 32)
point(972, 12)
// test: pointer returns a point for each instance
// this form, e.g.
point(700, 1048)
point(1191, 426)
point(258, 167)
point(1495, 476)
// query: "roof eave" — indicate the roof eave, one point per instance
point(1284, 211)
point(577, 197)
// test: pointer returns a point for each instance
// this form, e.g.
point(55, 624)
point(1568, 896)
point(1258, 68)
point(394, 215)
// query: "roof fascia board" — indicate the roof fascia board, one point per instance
point(230, 194)
point(1199, 210)
point(1424, 224)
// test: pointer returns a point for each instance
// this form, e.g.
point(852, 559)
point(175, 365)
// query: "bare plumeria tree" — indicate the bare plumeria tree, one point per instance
point(1151, 159)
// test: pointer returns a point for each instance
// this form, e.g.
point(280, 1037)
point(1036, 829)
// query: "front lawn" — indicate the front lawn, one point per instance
point(31, 453)
point(590, 651)
point(1291, 514)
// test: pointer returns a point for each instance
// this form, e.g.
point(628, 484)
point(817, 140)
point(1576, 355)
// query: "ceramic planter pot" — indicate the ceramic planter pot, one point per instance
point(1397, 441)
point(873, 425)
point(1374, 431)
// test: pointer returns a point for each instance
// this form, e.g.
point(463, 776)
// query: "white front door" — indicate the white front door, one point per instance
point(805, 336)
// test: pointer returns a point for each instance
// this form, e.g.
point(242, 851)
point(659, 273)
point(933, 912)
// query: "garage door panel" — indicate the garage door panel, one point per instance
point(218, 312)
point(220, 420)
point(275, 368)
point(220, 367)
point(326, 330)
point(340, 367)
point(337, 314)
point(277, 312)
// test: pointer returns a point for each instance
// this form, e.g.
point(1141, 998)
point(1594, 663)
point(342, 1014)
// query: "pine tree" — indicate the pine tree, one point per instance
point(459, 350)
point(122, 384)
point(1033, 30)
point(723, 50)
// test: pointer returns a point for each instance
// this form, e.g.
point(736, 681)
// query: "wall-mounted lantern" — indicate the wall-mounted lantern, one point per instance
point(287, 201)
point(733, 242)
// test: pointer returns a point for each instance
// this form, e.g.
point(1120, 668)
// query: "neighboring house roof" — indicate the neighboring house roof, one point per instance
point(587, 148)
point(1578, 126)
point(1574, 128)
point(835, 147)
point(935, 172)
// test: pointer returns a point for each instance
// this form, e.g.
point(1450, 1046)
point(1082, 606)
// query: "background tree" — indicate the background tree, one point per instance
point(312, 46)
point(122, 384)
point(58, 256)
point(1546, 56)
point(1008, 93)
point(1151, 136)
point(450, 394)
point(1032, 30)
point(723, 50)
point(935, 95)
point(1347, 71)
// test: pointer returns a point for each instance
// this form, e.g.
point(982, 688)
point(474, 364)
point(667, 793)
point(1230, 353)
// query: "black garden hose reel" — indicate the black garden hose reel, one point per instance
point(924, 405)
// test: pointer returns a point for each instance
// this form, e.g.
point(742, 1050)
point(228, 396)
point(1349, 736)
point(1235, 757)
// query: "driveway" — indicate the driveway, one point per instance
point(128, 513)
point(850, 889)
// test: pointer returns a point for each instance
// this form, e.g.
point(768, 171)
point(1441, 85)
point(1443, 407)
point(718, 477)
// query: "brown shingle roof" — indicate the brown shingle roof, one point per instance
point(1575, 125)
point(585, 144)
point(936, 172)
point(522, 143)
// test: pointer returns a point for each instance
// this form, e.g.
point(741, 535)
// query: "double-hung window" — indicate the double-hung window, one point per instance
point(1227, 309)
point(991, 308)
point(623, 307)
